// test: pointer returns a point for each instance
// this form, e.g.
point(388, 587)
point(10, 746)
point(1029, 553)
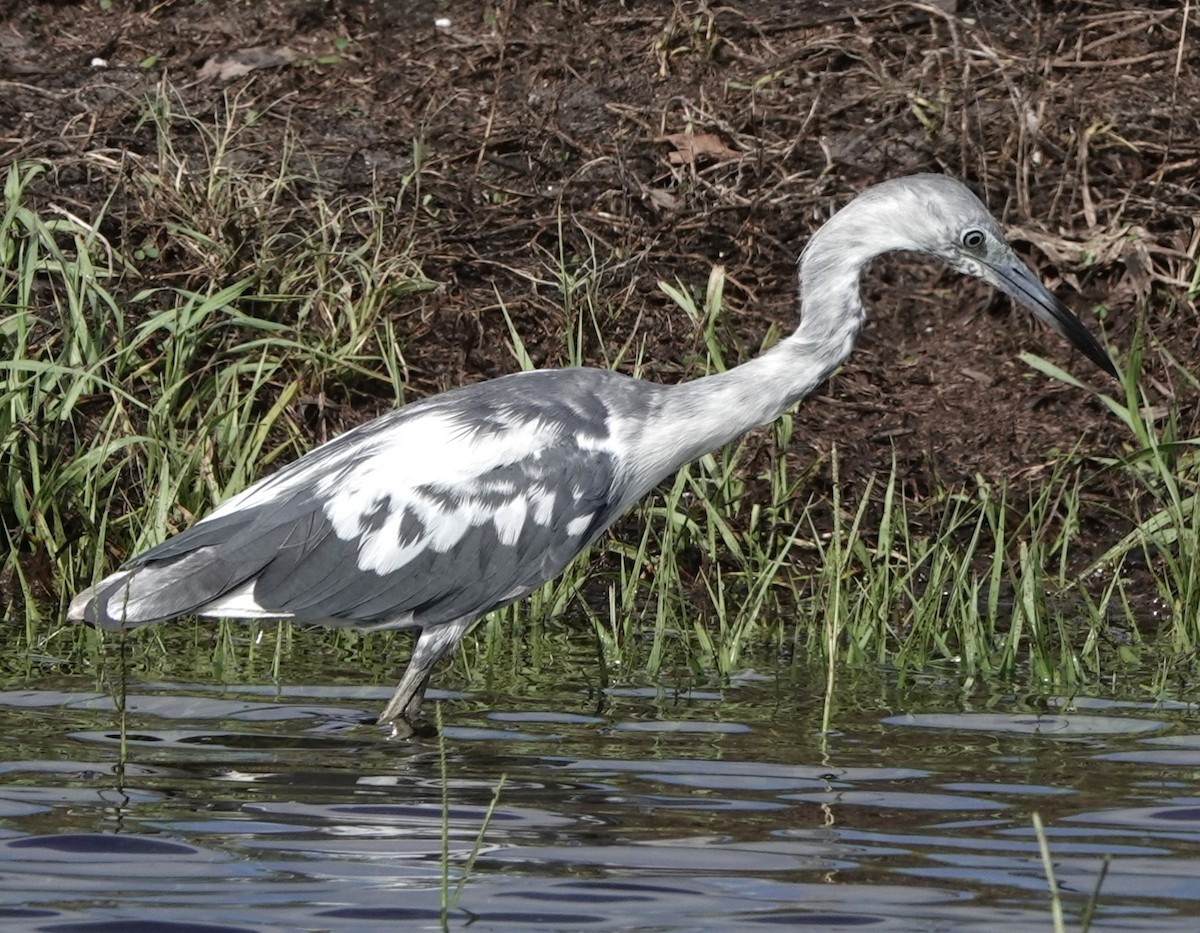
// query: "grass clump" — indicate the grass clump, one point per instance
point(733, 562)
point(129, 407)
point(159, 357)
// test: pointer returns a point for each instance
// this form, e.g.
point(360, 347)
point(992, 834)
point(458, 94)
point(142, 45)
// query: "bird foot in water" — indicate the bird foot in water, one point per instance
point(404, 729)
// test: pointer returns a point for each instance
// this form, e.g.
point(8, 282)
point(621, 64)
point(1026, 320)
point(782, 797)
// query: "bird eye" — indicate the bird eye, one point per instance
point(973, 239)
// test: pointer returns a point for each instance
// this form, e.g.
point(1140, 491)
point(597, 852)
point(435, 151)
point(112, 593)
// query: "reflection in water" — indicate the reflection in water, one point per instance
point(242, 810)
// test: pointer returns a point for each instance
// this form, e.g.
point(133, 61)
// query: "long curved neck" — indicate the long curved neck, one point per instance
point(699, 416)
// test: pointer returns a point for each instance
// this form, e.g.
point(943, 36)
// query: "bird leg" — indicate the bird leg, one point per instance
point(429, 647)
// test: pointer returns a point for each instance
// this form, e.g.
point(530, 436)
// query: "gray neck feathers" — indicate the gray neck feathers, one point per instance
point(696, 417)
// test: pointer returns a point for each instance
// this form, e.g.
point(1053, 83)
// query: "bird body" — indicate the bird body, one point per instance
point(434, 514)
point(476, 495)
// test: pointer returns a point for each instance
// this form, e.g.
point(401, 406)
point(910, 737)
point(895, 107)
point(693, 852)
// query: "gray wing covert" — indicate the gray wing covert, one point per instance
point(440, 510)
point(518, 525)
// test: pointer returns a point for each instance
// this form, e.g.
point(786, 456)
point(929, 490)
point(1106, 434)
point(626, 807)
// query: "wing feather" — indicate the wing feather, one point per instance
point(440, 510)
point(497, 546)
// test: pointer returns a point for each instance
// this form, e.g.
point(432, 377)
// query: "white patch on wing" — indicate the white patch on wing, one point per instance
point(239, 603)
point(447, 526)
point(510, 519)
point(433, 446)
point(383, 553)
point(440, 451)
point(369, 484)
point(578, 526)
point(591, 442)
point(434, 449)
point(542, 500)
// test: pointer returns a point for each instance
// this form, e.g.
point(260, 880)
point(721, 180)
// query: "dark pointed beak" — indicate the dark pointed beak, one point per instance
point(1016, 280)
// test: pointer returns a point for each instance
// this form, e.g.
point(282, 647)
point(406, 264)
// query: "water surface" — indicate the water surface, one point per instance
point(278, 809)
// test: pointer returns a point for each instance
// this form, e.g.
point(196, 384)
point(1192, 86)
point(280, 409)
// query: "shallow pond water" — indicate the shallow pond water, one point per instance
point(277, 809)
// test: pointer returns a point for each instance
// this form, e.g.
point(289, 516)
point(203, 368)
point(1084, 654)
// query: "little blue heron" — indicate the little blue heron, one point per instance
point(436, 513)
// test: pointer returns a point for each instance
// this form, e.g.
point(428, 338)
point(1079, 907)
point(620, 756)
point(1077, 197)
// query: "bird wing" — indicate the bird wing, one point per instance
point(437, 511)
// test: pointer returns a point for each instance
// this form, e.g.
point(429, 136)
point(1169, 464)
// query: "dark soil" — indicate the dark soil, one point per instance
point(1077, 122)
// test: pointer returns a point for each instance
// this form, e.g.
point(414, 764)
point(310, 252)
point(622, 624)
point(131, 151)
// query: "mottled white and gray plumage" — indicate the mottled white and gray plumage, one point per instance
point(433, 515)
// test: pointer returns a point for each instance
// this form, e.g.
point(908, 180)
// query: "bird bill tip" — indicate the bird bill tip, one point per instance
point(1019, 282)
point(1063, 320)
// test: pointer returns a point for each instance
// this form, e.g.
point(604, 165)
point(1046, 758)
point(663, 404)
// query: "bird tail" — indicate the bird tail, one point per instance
point(210, 563)
point(96, 605)
point(158, 590)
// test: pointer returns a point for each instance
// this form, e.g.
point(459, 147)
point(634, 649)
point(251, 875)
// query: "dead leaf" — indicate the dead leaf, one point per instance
point(1128, 244)
point(663, 200)
point(1101, 248)
point(225, 66)
point(691, 147)
point(986, 379)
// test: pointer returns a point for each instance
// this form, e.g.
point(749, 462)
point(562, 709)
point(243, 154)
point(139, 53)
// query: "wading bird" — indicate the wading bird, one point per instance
point(434, 514)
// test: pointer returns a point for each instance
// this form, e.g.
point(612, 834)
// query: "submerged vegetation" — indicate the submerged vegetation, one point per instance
point(259, 313)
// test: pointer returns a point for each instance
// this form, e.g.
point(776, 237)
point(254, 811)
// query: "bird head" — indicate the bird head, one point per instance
point(952, 224)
